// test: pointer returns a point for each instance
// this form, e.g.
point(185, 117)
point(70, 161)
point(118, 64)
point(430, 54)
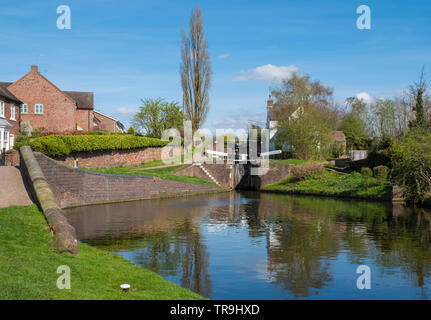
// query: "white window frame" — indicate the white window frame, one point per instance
point(40, 111)
point(22, 108)
point(2, 109)
point(12, 112)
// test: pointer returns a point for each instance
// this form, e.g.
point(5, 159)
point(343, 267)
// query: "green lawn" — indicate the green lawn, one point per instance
point(288, 161)
point(332, 183)
point(28, 265)
point(162, 173)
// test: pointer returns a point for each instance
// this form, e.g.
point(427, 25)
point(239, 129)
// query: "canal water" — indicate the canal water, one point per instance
point(252, 245)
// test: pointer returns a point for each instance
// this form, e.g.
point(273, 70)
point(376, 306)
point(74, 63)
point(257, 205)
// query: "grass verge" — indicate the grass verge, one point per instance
point(288, 161)
point(29, 264)
point(162, 173)
point(335, 184)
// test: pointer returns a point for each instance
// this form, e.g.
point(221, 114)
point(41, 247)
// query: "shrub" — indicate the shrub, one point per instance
point(412, 165)
point(367, 174)
point(306, 170)
point(61, 133)
point(131, 131)
point(61, 145)
point(381, 172)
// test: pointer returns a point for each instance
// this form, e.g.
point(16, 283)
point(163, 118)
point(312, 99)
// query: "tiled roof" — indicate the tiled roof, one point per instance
point(84, 100)
point(4, 92)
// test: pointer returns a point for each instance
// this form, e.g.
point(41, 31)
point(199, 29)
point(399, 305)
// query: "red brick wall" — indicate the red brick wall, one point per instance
point(58, 109)
point(84, 119)
point(113, 158)
point(73, 187)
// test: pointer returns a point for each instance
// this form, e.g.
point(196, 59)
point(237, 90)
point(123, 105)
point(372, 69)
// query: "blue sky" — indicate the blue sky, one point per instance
point(127, 50)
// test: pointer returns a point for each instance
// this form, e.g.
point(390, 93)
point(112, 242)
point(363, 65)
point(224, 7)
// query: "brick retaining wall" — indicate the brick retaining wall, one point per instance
point(73, 187)
point(224, 174)
point(112, 158)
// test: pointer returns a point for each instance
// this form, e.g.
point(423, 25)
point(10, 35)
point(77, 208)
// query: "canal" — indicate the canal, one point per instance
point(251, 245)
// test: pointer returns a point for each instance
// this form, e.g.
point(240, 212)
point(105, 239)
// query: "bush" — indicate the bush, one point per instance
point(367, 175)
point(62, 145)
point(306, 170)
point(366, 172)
point(381, 172)
point(131, 131)
point(60, 133)
point(412, 165)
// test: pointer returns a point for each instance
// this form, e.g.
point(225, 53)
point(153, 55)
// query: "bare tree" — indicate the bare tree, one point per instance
point(195, 71)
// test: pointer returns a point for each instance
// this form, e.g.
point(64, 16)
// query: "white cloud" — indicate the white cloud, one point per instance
point(267, 72)
point(363, 96)
point(224, 56)
point(124, 111)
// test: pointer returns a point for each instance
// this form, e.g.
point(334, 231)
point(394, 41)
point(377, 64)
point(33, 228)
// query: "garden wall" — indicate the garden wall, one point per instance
point(73, 187)
point(112, 158)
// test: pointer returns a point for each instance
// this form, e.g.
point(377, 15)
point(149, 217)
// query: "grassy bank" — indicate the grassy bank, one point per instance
point(335, 184)
point(288, 161)
point(28, 265)
point(162, 173)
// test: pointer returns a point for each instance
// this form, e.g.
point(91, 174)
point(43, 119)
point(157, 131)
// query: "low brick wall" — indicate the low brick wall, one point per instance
point(225, 175)
point(73, 187)
point(112, 158)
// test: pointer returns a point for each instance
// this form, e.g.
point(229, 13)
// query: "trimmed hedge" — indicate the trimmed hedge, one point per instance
point(56, 145)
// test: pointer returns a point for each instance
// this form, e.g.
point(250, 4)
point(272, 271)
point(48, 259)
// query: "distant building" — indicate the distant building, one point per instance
point(44, 105)
point(104, 122)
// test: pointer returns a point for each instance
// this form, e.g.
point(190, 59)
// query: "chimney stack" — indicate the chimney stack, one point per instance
point(269, 102)
point(34, 68)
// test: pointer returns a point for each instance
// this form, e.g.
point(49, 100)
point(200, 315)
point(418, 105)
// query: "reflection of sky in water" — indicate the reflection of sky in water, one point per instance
point(232, 246)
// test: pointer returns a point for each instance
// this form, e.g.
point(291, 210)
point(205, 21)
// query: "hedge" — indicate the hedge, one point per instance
point(62, 145)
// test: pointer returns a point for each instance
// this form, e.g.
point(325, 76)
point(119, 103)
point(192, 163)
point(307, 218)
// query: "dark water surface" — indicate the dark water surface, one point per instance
point(268, 246)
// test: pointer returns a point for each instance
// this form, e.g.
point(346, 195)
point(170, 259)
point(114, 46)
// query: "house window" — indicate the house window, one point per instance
point(2, 109)
point(24, 108)
point(12, 112)
point(38, 108)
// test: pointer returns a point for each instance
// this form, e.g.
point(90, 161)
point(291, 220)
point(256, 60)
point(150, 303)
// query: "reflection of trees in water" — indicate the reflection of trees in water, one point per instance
point(310, 230)
point(177, 252)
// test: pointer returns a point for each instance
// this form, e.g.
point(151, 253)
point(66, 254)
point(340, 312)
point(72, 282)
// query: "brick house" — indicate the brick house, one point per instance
point(46, 106)
point(104, 122)
point(9, 118)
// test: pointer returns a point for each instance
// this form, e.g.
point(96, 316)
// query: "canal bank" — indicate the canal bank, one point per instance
point(29, 265)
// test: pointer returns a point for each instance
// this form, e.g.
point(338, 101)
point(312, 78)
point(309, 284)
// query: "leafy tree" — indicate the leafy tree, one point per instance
point(417, 90)
point(412, 165)
point(131, 131)
point(306, 116)
point(157, 115)
point(195, 71)
point(355, 130)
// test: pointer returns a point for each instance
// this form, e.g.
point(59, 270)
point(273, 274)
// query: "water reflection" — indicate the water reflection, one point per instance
point(266, 246)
